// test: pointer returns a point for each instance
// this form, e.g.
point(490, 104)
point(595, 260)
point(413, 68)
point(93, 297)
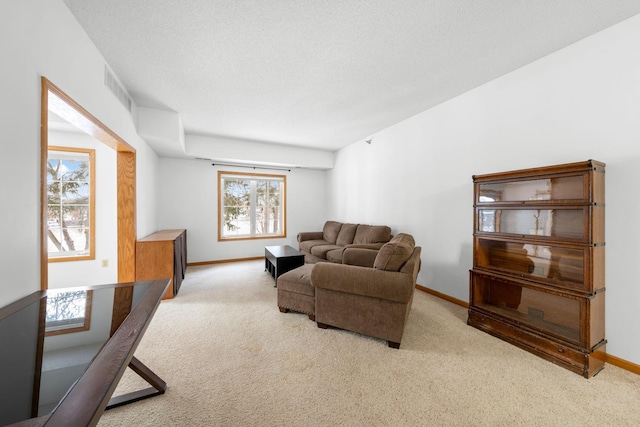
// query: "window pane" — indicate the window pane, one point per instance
point(54, 237)
point(75, 192)
point(69, 202)
point(53, 217)
point(53, 169)
point(237, 221)
point(251, 205)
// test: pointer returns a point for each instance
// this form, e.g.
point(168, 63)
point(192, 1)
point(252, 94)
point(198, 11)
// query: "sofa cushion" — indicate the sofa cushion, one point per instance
point(393, 255)
point(297, 281)
point(321, 250)
point(335, 255)
point(346, 235)
point(330, 231)
point(372, 234)
point(359, 256)
point(306, 245)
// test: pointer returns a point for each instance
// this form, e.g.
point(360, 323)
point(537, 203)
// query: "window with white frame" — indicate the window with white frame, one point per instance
point(251, 206)
point(70, 202)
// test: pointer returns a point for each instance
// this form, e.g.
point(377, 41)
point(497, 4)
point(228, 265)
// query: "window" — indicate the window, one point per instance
point(67, 312)
point(70, 204)
point(251, 206)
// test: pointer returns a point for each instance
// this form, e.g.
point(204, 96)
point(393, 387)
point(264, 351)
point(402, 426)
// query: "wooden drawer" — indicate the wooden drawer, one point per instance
point(586, 363)
point(572, 318)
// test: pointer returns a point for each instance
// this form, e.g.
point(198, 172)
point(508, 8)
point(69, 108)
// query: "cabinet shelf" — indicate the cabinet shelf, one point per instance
point(559, 223)
point(560, 265)
point(538, 262)
point(546, 310)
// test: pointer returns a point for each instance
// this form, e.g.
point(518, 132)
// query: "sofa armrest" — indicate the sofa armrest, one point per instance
point(369, 282)
point(359, 256)
point(309, 235)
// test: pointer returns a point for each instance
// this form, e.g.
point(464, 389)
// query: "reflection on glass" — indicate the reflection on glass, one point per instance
point(560, 223)
point(544, 311)
point(69, 310)
point(564, 188)
point(77, 326)
point(39, 367)
point(553, 263)
point(487, 220)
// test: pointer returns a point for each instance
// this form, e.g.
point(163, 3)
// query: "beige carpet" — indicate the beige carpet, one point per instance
point(230, 358)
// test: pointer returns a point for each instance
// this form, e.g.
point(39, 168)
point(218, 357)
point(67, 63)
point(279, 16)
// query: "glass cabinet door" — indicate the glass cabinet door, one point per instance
point(558, 188)
point(547, 312)
point(556, 223)
point(555, 265)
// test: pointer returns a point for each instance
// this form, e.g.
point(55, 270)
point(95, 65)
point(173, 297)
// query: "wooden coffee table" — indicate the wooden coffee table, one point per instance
point(280, 259)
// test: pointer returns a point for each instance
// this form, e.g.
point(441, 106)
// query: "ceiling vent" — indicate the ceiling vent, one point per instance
point(118, 90)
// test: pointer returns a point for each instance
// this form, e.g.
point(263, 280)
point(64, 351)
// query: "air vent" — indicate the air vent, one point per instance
point(118, 90)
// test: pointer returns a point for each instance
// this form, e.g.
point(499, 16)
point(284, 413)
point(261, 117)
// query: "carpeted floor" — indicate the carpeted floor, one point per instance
point(230, 358)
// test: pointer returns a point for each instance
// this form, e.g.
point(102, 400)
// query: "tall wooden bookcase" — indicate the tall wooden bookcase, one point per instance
point(538, 262)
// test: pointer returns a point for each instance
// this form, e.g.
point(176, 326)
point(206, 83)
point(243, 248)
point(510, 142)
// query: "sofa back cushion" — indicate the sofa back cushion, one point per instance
point(393, 255)
point(346, 235)
point(372, 234)
point(330, 231)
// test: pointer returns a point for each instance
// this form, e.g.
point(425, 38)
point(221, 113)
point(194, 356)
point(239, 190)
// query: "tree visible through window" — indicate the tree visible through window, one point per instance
point(70, 225)
point(251, 205)
point(68, 311)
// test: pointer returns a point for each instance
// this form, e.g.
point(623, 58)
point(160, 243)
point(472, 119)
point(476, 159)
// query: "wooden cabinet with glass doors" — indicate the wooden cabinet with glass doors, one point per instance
point(538, 262)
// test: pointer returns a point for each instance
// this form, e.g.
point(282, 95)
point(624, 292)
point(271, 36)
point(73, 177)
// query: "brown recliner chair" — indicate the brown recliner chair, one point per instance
point(371, 300)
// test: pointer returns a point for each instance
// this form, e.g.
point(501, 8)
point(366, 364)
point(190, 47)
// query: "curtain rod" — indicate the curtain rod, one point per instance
point(251, 167)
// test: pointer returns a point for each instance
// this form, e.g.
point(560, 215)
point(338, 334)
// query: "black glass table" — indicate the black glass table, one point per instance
point(63, 352)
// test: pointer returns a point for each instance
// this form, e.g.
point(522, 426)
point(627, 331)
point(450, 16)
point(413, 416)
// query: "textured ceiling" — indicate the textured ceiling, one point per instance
point(324, 73)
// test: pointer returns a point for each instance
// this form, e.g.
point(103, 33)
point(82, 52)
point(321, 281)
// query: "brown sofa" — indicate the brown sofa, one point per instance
point(373, 300)
point(330, 243)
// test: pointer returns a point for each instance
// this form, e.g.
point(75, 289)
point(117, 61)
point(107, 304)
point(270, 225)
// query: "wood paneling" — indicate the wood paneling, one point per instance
point(126, 177)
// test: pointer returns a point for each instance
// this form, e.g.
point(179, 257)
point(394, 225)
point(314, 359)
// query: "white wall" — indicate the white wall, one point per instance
point(42, 38)
point(580, 103)
point(91, 272)
point(188, 198)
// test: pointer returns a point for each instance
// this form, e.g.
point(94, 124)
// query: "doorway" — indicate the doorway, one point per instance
point(59, 103)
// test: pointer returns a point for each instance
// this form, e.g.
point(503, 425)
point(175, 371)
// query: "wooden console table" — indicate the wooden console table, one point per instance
point(163, 254)
point(119, 313)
